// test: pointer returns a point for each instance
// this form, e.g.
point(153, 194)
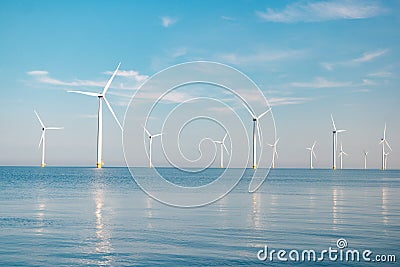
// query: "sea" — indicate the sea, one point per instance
point(77, 216)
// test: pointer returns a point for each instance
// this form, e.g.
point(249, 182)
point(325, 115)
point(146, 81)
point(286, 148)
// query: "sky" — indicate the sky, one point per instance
point(310, 59)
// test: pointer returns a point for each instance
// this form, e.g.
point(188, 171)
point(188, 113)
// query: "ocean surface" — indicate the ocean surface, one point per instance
point(62, 216)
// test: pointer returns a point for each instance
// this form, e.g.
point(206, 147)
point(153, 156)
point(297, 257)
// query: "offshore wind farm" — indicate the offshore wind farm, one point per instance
point(160, 124)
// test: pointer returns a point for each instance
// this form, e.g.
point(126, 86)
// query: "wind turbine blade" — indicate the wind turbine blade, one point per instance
point(386, 142)
point(110, 80)
point(248, 109)
point(225, 148)
point(41, 123)
point(259, 117)
point(157, 135)
point(315, 142)
point(333, 123)
point(148, 133)
point(258, 132)
point(314, 154)
point(345, 153)
point(85, 93)
point(112, 111)
point(270, 145)
point(276, 142)
point(54, 128)
point(341, 131)
point(384, 132)
point(308, 148)
point(223, 140)
point(41, 139)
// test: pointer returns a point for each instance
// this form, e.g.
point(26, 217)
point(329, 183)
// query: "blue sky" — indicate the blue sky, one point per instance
point(310, 59)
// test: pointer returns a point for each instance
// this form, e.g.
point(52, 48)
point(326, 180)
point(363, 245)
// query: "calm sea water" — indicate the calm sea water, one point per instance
point(84, 216)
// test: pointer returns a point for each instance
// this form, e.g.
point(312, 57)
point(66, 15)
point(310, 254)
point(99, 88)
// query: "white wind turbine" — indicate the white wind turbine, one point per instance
point(341, 153)
point(256, 126)
point(101, 96)
point(150, 144)
point(312, 153)
point(365, 159)
point(383, 142)
point(274, 152)
point(42, 139)
point(335, 133)
point(222, 145)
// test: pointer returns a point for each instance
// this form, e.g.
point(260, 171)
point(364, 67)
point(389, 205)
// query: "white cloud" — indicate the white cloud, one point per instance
point(228, 18)
point(131, 82)
point(258, 57)
point(320, 82)
point(323, 11)
point(168, 21)
point(368, 56)
point(281, 101)
point(381, 74)
point(37, 72)
point(43, 77)
point(129, 74)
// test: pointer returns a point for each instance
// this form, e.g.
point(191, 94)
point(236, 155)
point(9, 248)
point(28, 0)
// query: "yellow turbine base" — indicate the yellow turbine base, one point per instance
point(43, 165)
point(99, 165)
point(334, 168)
point(254, 167)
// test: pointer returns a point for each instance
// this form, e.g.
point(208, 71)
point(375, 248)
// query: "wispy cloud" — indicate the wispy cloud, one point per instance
point(364, 58)
point(323, 11)
point(381, 74)
point(132, 79)
point(168, 21)
point(228, 18)
point(43, 77)
point(258, 57)
point(368, 56)
point(281, 101)
point(320, 82)
point(129, 74)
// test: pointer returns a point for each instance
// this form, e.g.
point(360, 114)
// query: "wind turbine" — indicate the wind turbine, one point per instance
point(101, 96)
point(312, 154)
point(256, 126)
point(274, 152)
point(222, 144)
point(335, 133)
point(365, 159)
point(383, 142)
point(42, 139)
point(341, 153)
point(150, 144)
